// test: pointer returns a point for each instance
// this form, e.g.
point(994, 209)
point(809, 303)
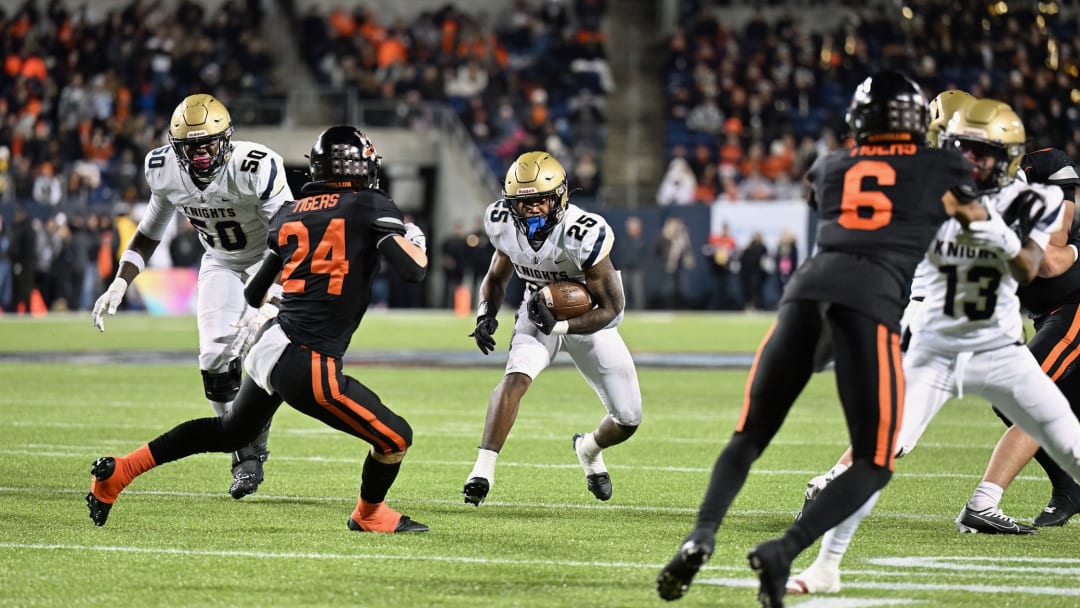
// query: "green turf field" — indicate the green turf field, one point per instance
point(175, 538)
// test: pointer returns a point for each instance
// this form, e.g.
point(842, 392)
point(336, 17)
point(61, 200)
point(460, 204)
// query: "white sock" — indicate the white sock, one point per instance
point(485, 465)
point(590, 454)
point(987, 496)
point(835, 542)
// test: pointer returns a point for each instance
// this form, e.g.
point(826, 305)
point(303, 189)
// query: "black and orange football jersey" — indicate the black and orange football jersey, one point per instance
point(879, 207)
point(328, 242)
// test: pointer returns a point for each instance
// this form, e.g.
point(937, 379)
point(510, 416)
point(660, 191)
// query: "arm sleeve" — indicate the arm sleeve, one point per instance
point(256, 288)
point(401, 261)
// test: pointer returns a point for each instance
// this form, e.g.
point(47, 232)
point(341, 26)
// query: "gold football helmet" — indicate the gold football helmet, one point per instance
point(993, 124)
point(533, 177)
point(942, 109)
point(199, 131)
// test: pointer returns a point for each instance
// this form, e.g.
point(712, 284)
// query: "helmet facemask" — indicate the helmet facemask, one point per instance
point(988, 128)
point(533, 178)
point(200, 132)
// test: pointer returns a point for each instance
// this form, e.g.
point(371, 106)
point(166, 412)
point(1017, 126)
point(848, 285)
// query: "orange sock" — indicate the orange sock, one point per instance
point(375, 517)
point(127, 469)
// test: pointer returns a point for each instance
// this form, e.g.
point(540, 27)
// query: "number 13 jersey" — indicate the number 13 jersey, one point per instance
point(878, 208)
point(232, 213)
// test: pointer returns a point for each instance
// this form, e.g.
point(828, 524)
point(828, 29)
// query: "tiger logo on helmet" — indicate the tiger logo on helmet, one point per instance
point(994, 125)
point(532, 178)
point(200, 132)
point(942, 108)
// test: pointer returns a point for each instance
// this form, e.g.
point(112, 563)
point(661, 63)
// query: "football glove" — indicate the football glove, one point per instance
point(1025, 210)
point(108, 302)
point(993, 234)
point(414, 235)
point(540, 314)
point(484, 332)
point(248, 327)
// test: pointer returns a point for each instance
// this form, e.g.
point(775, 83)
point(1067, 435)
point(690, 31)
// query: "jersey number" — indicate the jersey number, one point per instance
point(329, 256)
point(229, 233)
point(855, 201)
point(581, 227)
point(251, 162)
point(988, 280)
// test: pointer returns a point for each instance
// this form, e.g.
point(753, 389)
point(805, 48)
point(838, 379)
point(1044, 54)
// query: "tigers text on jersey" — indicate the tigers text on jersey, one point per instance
point(878, 208)
point(577, 243)
point(971, 302)
point(328, 242)
point(232, 213)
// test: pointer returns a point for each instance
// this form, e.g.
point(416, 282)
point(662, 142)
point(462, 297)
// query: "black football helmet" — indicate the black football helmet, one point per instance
point(888, 106)
point(344, 154)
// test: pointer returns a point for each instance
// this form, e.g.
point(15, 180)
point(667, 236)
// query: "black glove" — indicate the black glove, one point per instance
point(485, 329)
point(540, 315)
point(1024, 211)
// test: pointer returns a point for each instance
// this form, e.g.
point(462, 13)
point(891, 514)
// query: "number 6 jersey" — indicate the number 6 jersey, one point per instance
point(232, 213)
point(878, 206)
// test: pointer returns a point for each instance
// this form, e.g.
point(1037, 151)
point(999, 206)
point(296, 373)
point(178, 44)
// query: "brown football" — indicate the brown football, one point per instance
point(566, 299)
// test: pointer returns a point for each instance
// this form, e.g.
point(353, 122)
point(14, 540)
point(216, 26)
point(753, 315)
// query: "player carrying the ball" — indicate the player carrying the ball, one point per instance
point(539, 235)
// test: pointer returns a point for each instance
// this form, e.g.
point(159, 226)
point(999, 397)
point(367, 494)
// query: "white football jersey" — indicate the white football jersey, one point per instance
point(232, 213)
point(578, 242)
point(971, 302)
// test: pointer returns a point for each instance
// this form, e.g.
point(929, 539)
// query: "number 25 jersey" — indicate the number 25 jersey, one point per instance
point(878, 208)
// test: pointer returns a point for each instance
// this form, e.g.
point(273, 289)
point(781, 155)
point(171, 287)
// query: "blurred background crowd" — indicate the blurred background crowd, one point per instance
point(746, 95)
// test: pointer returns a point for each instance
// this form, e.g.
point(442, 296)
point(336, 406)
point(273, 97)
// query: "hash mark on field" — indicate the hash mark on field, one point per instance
point(902, 586)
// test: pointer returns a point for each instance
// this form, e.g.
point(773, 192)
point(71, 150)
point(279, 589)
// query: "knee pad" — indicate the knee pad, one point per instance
point(222, 386)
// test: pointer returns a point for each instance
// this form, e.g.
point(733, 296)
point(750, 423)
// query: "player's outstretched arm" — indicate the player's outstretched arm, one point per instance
point(132, 262)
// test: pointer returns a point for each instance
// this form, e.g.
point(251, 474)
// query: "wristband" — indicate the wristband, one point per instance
point(561, 328)
point(133, 258)
point(484, 309)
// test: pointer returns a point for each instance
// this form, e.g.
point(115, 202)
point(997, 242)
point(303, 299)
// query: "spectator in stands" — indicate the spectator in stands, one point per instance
point(754, 268)
point(787, 258)
point(5, 267)
point(47, 189)
point(678, 185)
point(24, 258)
point(675, 254)
point(455, 263)
point(720, 257)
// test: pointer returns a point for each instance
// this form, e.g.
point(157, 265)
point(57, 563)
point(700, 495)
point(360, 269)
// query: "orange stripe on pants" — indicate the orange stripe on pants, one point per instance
point(363, 412)
point(750, 380)
point(320, 398)
point(1053, 358)
point(883, 452)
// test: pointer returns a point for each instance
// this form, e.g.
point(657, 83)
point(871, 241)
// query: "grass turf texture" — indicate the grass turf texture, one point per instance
point(176, 538)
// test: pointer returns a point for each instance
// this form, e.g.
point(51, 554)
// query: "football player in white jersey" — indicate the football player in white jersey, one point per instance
point(969, 338)
point(541, 237)
point(228, 190)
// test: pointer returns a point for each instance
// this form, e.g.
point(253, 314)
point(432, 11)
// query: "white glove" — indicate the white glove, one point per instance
point(414, 235)
point(249, 327)
point(993, 234)
point(108, 302)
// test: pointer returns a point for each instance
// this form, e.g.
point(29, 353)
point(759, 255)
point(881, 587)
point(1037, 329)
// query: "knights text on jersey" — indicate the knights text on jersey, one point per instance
point(231, 213)
point(328, 242)
point(971, 302)
point(579, 241)
point(878, 207)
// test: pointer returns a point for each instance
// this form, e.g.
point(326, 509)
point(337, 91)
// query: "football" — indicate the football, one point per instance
point(566, 299)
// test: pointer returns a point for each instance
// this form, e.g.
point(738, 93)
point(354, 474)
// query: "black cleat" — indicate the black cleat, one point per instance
point(674, 580)
point(990, 521)
point(405, 524)
point(476, 490)
point(248, 473)
point(101, 470)
point(599, 485)
point(1062, 506)
point(771, 563)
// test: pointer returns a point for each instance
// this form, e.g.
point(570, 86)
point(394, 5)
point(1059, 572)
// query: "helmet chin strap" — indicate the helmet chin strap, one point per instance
point(534, 224)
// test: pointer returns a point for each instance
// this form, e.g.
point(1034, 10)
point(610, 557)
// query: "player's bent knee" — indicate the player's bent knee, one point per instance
point(222, 386)
point(391, 458)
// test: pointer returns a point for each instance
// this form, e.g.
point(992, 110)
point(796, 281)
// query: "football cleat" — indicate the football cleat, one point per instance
point(103, 494)
point(990, 521)
point(405, 524)
point(1062, 506)
point(599, 484)
point(247, 471)
point(674, 579)
point(769, 560)
point(476, 490)
point(815, 579)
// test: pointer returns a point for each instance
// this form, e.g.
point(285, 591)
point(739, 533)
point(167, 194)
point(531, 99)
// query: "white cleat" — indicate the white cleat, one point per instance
point(814, 580)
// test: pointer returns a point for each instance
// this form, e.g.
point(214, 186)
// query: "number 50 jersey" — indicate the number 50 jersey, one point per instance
point(232, 213)
point(879, 205)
